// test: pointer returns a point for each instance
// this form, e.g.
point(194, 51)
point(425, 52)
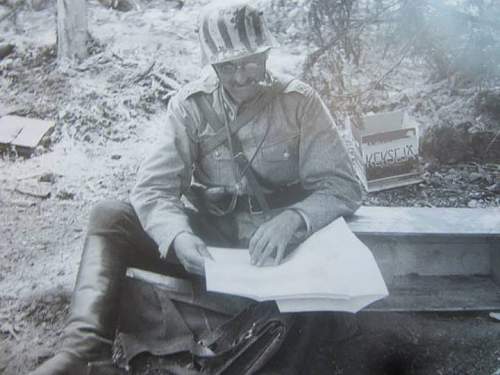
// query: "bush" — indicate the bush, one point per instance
point(459, 41)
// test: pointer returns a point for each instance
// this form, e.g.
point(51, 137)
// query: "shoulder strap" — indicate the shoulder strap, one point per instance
point(220, 136)
point(245, 167)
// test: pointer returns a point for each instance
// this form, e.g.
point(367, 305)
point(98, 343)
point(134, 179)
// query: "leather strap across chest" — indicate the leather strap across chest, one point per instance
point(221, 137)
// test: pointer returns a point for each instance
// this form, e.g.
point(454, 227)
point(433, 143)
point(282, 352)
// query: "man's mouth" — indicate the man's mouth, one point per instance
point(245, 85)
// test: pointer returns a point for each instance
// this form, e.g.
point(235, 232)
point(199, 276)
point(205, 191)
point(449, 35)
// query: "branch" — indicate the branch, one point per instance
point(141, 76)
point(404, 54)
point(12, 11)
point(167, 81)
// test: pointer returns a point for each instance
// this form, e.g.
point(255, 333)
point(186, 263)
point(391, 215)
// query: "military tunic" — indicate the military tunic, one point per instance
point(302, 145)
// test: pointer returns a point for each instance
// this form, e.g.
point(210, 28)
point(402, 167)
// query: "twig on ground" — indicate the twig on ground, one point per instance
point(167, 81)
point(9, 328)
point(12, 12)
point(177, 34)
point(39, 191)
point(491, 143)
point(30, 176)
point(449, 190)
point(91, 188)
point(143, 75)
point(117, 56)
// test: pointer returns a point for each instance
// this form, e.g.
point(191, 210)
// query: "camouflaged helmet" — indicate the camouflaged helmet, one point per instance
point(229, 32)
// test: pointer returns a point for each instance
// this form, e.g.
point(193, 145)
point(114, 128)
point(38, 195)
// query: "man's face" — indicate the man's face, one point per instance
point(241, 77)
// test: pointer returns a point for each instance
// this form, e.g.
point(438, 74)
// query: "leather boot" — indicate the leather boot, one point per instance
point(90, 329)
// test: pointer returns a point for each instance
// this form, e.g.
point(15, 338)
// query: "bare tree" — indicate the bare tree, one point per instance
point(72, 32)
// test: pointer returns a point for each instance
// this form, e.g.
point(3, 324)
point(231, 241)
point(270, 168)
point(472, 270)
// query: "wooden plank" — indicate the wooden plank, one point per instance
point(32, 132)
point(440, 293)
point(417, 221)
point(393, 182)
point(173, 284)
point(22, 131)
point(495, 264)
point(434, 256)
point(9, 129)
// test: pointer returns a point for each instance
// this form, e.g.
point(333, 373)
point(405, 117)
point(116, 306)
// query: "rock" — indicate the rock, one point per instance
point(48, 177)
point(431, 166)
point(65, 195)
point(488, 101)
point(495, 316)
point(473, 203)
point(436, 180)
point(5, 50)
point(495, 188)
point(116, 157)
point(486, 146)
point(451, 144)
point(449, 178)
point(490, 179)
point(476, 195)
point(447, 144)
point(475, 176)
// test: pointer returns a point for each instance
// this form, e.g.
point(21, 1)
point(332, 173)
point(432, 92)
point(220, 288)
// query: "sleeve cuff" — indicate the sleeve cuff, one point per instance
point(167, 241)
point(305, 218)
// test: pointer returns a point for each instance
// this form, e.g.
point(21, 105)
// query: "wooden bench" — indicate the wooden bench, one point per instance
point(434, 259)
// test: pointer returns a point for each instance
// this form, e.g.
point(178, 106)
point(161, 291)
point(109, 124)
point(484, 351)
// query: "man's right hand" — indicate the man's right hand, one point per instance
point(190, 251)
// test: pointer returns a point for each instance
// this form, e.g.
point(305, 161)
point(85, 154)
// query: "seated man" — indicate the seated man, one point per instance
point(257, 154)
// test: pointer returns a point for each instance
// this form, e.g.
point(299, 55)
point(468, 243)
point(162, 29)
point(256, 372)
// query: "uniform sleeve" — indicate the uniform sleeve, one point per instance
point(325, 166)
point(163, 176)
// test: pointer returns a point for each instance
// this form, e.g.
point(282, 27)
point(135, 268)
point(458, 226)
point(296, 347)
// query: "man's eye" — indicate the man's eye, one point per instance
point(251, 66)
point(229, 68)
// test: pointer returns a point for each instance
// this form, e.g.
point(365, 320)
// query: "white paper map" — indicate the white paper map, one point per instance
point(331, 271)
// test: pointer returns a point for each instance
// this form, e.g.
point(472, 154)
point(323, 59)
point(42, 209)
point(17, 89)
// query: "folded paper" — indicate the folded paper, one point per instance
point(331, 271)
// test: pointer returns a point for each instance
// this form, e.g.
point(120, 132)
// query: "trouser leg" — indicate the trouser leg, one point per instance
point(115, 241)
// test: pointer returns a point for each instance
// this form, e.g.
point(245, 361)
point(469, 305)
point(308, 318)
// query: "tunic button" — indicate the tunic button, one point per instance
point(286, 155)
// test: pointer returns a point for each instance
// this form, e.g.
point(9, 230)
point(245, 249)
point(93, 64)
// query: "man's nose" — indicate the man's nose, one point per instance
point(241, 76)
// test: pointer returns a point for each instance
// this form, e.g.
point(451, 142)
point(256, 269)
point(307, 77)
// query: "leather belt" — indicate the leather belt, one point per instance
point(283, 197)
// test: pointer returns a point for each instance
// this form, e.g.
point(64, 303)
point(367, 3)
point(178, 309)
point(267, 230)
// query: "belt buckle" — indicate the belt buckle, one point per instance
point(251, 207)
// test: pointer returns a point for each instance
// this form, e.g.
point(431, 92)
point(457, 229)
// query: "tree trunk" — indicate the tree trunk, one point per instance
point(71, 31)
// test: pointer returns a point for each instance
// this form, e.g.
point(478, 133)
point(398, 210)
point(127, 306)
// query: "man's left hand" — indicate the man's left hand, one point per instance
point(272, 237)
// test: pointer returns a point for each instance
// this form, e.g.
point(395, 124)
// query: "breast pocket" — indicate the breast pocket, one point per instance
point(280, 159)
point(217, 167)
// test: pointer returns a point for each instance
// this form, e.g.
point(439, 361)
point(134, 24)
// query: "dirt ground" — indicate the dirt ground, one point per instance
point(107, 112)
point(414, 343)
